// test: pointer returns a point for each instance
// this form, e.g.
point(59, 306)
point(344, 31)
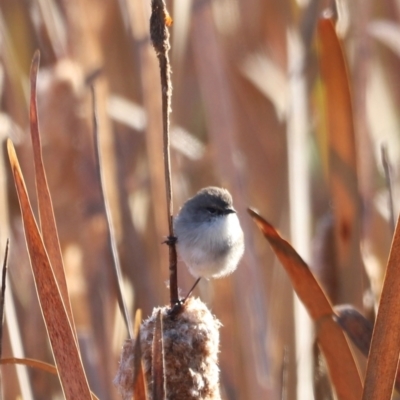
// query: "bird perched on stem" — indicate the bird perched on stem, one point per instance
point(210, 239)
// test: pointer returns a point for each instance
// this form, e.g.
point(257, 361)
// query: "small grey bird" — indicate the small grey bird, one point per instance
point(210, 239)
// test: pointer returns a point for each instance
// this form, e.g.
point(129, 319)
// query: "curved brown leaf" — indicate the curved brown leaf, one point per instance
point(2, 294)
point(30, 362)
point(343, 180)
point(63, 344)
point(331, 339)
point(342, 367)
point(303, 281)
point(385, 346)
point(139, 380)
point(359, 330)
point(47, 220)
point(357, 327)
point(158, 370)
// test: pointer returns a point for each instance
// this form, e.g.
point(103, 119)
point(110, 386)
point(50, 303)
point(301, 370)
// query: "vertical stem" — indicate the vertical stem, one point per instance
point(388, 178)
point(110, 231)
point(159, 21)
point(2, 293)
point(299, 203)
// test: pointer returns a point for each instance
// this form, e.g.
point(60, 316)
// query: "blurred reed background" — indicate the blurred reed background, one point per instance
point(255, 110)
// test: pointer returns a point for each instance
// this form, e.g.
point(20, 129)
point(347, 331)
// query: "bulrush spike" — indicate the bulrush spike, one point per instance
point(191, 345)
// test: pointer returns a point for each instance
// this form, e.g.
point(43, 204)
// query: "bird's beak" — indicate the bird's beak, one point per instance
point(230, 211)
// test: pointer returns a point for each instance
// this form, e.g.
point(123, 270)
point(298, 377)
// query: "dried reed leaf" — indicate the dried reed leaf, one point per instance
point(150, 86)
point(303, 281)
point(331, 339)
point(342, 367)
point(356, 326)
point(388, 168)
point(323, 256)
point(47, 220)
point(130, 378)
point(385, 346)
point(335, 79)
point(359, 330)
point(139, 385)
point(37, 364)
point(342, 163)
point(63, 344)
point(111, 236)
point(158, 370)
point(29, 362)
point(322, 383)
point(139, 380)
point(227, 132)
point(2, 294)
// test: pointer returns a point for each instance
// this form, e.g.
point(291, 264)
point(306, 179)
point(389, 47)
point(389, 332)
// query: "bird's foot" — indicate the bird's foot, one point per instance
point(170, 240)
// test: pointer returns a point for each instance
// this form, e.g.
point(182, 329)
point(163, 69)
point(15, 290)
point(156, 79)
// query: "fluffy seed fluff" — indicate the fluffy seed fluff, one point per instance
point(191, 345)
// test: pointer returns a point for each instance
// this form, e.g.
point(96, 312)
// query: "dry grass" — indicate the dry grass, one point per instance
point(262, 106)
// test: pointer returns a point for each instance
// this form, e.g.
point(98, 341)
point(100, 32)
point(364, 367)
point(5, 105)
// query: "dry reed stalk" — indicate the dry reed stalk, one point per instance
point(160, 20)
point(2, 295)
point(217, 92)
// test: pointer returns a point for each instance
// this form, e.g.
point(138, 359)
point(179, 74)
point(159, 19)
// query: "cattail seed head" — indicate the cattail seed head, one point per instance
point(191, 343)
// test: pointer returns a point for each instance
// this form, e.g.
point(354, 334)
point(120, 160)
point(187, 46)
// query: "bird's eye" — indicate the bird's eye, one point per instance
point(212, 210)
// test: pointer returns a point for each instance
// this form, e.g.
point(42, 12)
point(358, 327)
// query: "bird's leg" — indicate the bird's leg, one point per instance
point(179, 306)
point(191, 290)
point(170, 240)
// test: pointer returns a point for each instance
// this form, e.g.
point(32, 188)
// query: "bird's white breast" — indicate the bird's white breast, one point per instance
point(213, 249)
